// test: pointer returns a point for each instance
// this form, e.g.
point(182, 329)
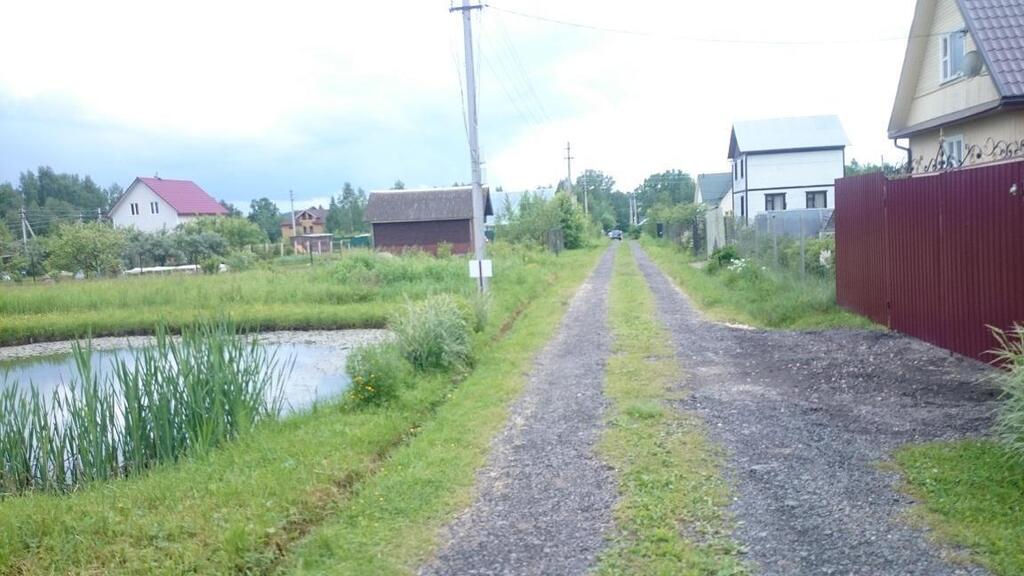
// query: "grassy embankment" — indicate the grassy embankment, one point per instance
point(342, 490)
point(670, 518)
point(330, 294)
point(762, 298)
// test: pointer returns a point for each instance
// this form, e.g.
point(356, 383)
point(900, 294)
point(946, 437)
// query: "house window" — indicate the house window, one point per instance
point(951, 58)
point(953, 150)
point(743, 167)
point(817, 199)
point(154, 207)
point(135, 208)
point(735, 171)
point(774, 202)
point(743, 205)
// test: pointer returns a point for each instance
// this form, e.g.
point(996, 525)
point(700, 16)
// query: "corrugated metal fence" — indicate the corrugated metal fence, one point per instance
point(939, 257)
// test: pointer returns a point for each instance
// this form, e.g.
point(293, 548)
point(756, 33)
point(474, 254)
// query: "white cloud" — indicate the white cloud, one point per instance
point(298, 77)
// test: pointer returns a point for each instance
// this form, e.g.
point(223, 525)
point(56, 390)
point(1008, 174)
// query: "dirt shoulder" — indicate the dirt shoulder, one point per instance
point(807, 418)
point(545, 498)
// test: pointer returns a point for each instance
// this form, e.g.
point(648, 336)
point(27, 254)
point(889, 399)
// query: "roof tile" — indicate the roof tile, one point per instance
point(187, 198)
point(998, 30)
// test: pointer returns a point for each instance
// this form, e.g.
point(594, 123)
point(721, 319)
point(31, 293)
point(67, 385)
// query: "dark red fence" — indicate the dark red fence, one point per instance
point(939, 257)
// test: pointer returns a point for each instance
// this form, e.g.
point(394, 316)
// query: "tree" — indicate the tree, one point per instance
point(50, 198)
point(237, 232)
point(508, 211)
point(667, 188)
point(266, 215)
point(91, 247)
point(398, 185)
point(335, 217)
point(233, 212)
point(855, 168)
point(202, 246)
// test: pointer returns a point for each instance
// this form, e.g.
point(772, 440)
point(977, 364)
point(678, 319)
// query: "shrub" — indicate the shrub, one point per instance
point(433, 335)
point(721, 258)
point(444, 250)
point(210, 265)
point(378, 372)
point(91, 247)
point(1010, 415)
point(240, 260)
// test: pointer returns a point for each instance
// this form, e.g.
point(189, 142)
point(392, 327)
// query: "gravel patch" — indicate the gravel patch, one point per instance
point(544, 499)
point(340, 339)
point(806, 419)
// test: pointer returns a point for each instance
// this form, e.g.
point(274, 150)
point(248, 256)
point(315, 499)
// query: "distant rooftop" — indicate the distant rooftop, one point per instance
point(714, 187)
point(778, 134)
point(185, 196)
point(423, 205)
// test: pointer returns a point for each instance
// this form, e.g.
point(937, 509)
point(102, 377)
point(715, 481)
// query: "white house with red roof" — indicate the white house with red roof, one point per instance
point(152, 204)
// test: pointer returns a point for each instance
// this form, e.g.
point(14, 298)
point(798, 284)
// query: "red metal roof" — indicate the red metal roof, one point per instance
point(185, 196)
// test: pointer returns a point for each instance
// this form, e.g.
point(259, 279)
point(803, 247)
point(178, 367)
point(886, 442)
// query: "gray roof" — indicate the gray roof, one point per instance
point(776, 134)
point(317, 213)
point(424, 205)
point(998, 30)
point(714, 187)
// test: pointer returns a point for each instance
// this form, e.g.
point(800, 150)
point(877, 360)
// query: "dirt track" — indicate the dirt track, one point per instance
point(806, 418)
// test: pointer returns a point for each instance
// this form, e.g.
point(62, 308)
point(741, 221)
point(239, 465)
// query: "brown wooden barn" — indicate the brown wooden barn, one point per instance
point(421, 219)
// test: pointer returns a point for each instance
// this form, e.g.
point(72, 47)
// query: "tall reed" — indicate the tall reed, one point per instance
point(1009, 354)
point(162, 402)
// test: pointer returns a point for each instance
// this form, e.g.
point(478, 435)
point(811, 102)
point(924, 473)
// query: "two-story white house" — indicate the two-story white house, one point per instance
point(152, 204)
point(785, 164)
point(961, 93)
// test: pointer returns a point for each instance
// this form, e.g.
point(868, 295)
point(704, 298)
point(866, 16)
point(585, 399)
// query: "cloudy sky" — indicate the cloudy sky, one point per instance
point(255, 98)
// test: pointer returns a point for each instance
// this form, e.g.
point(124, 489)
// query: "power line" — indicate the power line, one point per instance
point(709, 40)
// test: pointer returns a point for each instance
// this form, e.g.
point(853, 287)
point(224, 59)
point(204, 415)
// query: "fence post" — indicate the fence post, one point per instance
point(775, 240)
point(803, 255)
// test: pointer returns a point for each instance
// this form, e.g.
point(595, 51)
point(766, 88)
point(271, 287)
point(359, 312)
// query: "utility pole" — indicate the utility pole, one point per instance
point(99, 215)
point(568, 159)
point(24, 230)
point(291, 196)
point(474, 140)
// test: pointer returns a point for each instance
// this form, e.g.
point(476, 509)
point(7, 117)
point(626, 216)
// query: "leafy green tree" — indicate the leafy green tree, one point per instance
point(237, 232)
point(855, 168)
point(201, 247)
point(50, 198)
point(265, 214)
point(667, 188)
point(152, 249)
point(233, 211)
point(398, 185)
point(92, 247)
point(335, 217)
point(571, 219)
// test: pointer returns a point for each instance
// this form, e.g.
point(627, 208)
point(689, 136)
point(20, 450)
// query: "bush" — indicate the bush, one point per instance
point(210, 266)
point(444, 250)
point(240, 260)
point(91, 247)
point(378, 372)
point(433, 335)
point(722, 258)
point(1010, 415)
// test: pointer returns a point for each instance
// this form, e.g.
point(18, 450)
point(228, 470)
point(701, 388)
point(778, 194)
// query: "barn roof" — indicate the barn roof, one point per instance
point(185, 196)
point(424, 205)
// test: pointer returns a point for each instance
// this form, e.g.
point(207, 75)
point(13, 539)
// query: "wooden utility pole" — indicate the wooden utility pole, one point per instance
point(568, 160)
point(474, 142)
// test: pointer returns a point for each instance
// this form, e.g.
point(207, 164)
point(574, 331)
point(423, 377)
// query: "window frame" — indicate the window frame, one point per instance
point(947, 61)
point(154, 207)
point(134, 207)
point(774, 197)
point(957, 140)
point(814, 193)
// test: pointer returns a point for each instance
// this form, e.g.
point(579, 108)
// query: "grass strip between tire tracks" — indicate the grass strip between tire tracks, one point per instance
point(671, 516)
point(273, 500)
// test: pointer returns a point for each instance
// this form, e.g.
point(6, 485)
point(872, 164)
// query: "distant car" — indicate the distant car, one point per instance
point(615, 234)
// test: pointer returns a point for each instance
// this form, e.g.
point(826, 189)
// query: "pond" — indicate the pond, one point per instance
point(318, 373)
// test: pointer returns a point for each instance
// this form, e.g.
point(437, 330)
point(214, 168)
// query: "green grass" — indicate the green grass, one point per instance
point(671, 515)
point(393, 523)
point(971, 494)
point(764, 299)
point(355, 290)
point(353, 491)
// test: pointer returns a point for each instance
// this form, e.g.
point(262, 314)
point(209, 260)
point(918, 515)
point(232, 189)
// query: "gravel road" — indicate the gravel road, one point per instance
point(544, 499)
point(806, 418)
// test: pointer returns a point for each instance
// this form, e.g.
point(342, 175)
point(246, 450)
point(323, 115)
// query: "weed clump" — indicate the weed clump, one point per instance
point(1010, 415)
point(378, 372)
point(434, 335)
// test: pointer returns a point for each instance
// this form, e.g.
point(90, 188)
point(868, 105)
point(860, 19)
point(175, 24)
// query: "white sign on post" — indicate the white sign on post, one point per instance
point(480, 268)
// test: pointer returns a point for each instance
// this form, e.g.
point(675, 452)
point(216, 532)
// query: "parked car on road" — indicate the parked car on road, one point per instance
point(615, 234)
